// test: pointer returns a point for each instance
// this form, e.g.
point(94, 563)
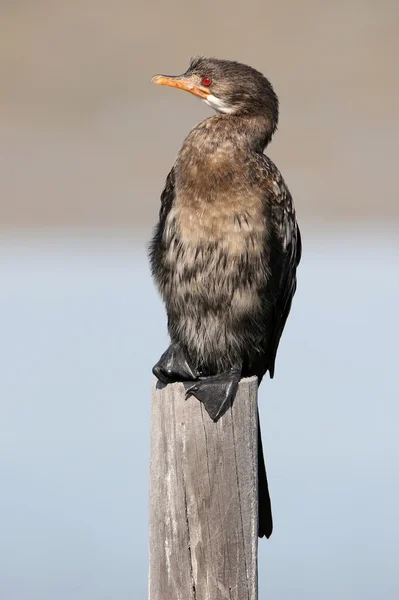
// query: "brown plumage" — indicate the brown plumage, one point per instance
point(226, 248)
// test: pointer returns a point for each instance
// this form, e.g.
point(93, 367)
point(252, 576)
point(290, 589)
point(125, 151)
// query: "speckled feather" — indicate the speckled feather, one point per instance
point(226, 248)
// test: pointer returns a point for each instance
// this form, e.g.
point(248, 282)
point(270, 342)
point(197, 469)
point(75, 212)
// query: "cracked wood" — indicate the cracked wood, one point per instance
point(203, 498)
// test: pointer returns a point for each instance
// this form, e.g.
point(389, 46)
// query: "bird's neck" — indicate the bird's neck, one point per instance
point(217, 153)
point(249, 133)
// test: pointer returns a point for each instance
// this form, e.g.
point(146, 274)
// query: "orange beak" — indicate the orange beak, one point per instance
point(182, 84)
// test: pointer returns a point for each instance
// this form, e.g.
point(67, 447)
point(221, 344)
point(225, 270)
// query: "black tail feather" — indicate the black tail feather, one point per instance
point(265, 523)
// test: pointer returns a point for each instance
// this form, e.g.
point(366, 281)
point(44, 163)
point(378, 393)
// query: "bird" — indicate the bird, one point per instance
point(226, 248)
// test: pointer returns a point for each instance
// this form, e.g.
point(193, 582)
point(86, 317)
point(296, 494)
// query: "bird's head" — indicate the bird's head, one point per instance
point(228, 87)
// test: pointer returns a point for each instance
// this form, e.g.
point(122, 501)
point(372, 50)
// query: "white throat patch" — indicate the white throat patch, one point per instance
point(218, 104)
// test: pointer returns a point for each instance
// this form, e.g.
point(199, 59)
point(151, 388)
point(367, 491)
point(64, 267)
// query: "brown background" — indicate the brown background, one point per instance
point(86, 140)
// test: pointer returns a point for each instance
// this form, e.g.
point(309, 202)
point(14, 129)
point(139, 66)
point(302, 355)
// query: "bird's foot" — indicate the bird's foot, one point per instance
point(174, 366)
point(216, 392)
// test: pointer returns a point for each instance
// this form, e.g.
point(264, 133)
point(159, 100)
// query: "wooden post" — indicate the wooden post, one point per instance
point(203, 498)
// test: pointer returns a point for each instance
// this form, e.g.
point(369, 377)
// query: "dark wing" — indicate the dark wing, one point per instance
point(285, 254)
point(157, 245)
point(167, 196)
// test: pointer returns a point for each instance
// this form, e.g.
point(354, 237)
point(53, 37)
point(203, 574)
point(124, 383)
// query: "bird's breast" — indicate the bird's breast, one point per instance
point(217, 202)
point(232, 222)
point(214, 251)
point(216, 231)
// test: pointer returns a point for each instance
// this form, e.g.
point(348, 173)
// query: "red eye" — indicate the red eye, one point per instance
point(206, 81)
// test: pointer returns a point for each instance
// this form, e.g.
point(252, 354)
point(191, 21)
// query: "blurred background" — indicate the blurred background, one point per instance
point(86, 143)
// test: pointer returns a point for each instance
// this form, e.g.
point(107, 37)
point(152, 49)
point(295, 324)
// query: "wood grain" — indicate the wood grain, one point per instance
point(203, 498)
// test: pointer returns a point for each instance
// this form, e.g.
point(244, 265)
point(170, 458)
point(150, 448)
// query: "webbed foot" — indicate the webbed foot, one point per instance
point(217, 392)
point(174, 366)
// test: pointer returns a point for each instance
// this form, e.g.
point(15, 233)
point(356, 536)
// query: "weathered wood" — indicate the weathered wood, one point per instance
point(203, 498)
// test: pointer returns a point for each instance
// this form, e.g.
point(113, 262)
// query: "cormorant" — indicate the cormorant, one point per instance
point(226, 248)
